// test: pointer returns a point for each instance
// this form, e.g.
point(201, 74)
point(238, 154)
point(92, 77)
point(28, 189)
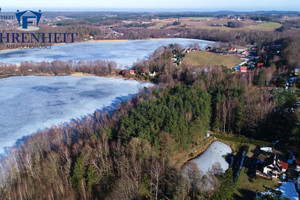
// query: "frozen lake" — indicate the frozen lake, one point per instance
point(213, 154)
point(198, 169)
point(124, 53)
point(31, 103)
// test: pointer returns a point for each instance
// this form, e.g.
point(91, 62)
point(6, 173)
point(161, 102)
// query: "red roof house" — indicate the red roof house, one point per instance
point(132, 72)
point(284, 165)
point(246, 53)
point(243, 69)
point(233, 49)
point(260, 64)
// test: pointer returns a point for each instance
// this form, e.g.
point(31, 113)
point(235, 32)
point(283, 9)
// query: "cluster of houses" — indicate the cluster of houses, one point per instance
point(251, 58)
point(178, 56)
point(249, 54)
point(133, 72)
point(275, 164)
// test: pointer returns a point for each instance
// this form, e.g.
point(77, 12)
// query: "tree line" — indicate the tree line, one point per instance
point(57, 67)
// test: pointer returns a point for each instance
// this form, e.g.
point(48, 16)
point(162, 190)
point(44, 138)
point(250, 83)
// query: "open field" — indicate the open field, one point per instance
point(233, 138)
point(162, 22)
point(270, 25)
point(203, 57)
point(213, 23)
point(246, 189)
point(198, 18)
point(290, 18)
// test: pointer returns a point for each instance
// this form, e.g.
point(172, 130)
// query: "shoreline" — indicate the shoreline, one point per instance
point(106, 40)
point(78, 74)
point(121, 40)
point(194, 153)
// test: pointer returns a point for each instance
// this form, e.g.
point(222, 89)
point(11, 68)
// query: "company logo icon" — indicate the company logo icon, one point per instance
point(25, 18)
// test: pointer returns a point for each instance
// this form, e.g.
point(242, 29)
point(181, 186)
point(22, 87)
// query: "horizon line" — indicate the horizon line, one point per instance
point(195, 10)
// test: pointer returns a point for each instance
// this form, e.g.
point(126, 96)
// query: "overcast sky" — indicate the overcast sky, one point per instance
point(184, 5)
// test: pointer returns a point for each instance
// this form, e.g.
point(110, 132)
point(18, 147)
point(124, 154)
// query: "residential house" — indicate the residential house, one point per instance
point(240, 50)
point(233, 50)
point(271, 167)
point(284, 166)
point(174, 60)
point(152, 74)
point(131, 72)
point(143, 71)
point(245, 53)
point(243, 69)
point(275, 166)
point(260, 64)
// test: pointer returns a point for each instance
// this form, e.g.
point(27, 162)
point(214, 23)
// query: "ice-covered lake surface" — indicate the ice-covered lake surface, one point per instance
point(213, 154)
point(31, 103)
point(124, 53)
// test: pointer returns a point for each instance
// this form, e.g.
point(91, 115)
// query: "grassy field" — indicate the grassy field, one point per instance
point(203, 57)
point(270, 25)
point(207, 22)
point(246, 189)
point(198, 18)
point(161, 22)
point(233, 138)
point(273, 25)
